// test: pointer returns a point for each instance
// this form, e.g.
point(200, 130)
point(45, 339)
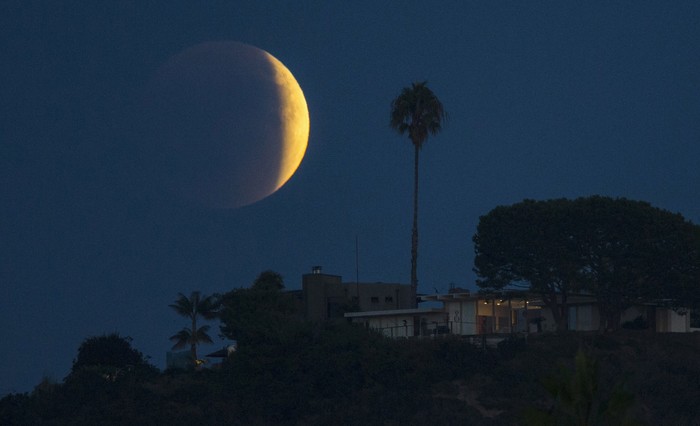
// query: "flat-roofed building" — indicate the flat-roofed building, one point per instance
point(327, 296)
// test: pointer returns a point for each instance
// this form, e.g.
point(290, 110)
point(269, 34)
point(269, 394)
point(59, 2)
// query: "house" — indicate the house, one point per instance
point(583, 315)
point(388, 308)
point(326, 296)
point(466, 314)
point(412, 322)
point(461, 313)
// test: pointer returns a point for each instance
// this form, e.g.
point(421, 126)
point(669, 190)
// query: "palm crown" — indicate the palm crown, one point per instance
point(193, 307)
point(417, 111)
point(420, 113)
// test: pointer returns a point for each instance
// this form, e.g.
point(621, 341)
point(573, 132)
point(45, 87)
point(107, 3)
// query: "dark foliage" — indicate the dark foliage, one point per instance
point(337, 373)
point(110, 353)
point(261, 313)
point(621, 251)
point(268, 281)
point(194, 307)
point(288, 371)
point(639, 323)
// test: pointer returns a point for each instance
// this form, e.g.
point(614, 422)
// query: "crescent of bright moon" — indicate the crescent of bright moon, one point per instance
point(295, 119)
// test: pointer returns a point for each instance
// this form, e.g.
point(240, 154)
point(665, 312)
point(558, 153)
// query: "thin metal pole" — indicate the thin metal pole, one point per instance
point(493, 313)
point(357, 267)
point(510, 315)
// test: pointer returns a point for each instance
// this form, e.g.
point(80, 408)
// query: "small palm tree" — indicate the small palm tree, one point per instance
point(193, 307)
point(579, 400)
point(418, 112)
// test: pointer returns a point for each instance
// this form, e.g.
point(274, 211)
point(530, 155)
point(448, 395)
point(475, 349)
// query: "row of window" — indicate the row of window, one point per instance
point(375, 299)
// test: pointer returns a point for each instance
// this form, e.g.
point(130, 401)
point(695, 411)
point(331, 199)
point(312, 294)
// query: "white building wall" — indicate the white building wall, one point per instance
point(454, 312)
point(573, 318)
point(462, 316)
point(548, 323)
point(472, 317)
point(392, 326)
point(585, 318)
point(469, 317)
point(670, 321)
point(581, 318)
point(399, 326)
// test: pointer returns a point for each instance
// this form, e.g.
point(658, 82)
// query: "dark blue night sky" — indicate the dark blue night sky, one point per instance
point(546, 99)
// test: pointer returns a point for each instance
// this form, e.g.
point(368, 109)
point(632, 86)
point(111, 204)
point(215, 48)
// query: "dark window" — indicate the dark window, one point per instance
point(375, 300)
point(388, 299)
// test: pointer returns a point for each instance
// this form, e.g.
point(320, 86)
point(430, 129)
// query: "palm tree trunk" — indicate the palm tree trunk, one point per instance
point(193, 336)
point(414, 235)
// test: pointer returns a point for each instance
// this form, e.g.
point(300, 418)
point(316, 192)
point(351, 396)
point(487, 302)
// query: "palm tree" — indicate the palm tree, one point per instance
point(193, 307)
point(419, 112)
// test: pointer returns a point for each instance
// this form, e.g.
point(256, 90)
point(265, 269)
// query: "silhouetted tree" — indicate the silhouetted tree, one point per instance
point(579, 400)
point(525, 245)
point(269, 281)
point(192, 308)
point(618, 250)
point(418, 112)
point(111, 352)
point(262, 312)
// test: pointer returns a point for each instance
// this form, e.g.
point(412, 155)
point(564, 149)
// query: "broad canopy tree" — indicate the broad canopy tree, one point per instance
point(526, 245)
point(261, 313)
point(621, 251)
point(110, 355)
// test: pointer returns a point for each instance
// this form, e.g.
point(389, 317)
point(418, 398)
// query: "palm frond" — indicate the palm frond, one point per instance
point(193, 307)
point(208, 307)
point(181, 338)
point(417, 111)
point(202, 336)
point(184, 305)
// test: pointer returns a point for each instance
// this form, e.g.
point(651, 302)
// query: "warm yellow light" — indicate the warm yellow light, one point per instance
point(294, 114)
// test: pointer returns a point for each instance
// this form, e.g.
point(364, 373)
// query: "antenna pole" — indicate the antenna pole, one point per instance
point(357, 267)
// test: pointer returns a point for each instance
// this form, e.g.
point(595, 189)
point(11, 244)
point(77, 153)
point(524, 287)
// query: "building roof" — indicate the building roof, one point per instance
point(448, 296)
point(392, 312)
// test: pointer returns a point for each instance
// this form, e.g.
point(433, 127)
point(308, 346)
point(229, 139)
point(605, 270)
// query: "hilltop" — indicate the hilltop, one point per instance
point(342, 374)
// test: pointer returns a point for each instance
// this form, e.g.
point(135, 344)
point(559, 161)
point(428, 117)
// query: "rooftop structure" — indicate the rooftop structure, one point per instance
point(327, 296)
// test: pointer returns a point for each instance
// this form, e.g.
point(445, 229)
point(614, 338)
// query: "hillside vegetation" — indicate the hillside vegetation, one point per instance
point(342, 374)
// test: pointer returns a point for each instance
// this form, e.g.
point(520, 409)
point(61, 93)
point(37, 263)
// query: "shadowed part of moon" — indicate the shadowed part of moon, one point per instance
point(226, 125)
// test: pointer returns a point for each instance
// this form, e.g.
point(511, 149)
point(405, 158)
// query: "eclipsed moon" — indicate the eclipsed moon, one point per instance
point(227, 125)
